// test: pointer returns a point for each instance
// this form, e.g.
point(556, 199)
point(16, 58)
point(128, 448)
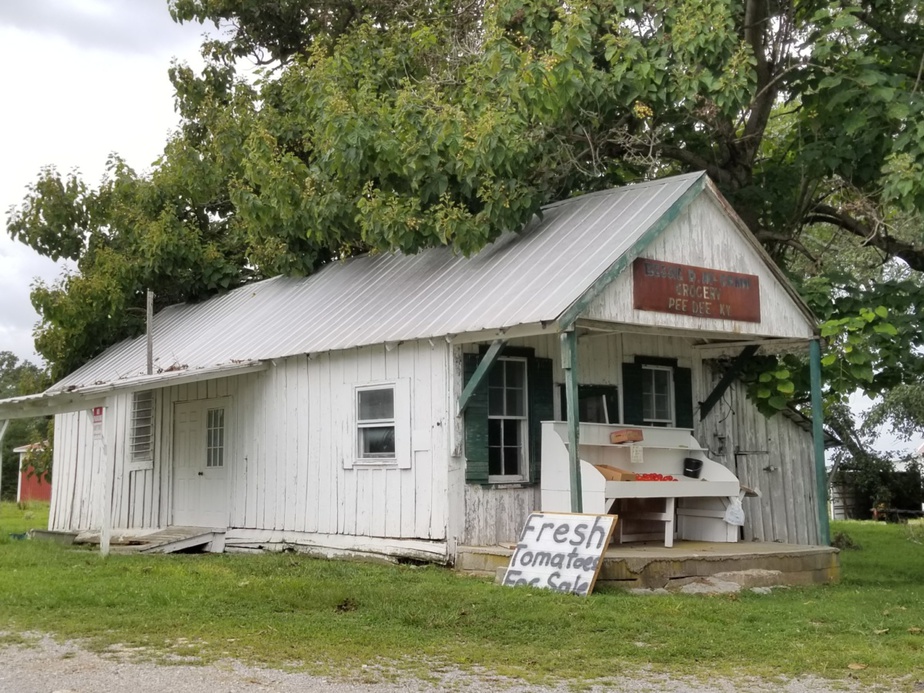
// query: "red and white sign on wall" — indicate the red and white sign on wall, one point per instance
point(699, 292)
point(97, 423)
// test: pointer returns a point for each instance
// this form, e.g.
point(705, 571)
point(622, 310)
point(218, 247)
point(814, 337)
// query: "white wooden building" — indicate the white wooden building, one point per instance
point(332, 413)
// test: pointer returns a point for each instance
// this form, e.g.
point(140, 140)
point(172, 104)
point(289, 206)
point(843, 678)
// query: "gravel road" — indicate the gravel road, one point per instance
point(45, 665)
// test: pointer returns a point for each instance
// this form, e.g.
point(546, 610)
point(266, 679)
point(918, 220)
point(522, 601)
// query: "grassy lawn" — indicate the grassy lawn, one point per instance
point(16, 520)
point(332, 616)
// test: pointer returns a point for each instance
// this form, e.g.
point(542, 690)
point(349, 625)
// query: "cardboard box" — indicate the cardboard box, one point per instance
point(626, 435)
point(614, 473)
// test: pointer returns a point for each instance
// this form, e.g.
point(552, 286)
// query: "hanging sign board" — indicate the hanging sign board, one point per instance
point(97, 423)
point(560, 551)
point(700, 292)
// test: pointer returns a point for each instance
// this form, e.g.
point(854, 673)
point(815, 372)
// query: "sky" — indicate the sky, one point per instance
point(80, 79)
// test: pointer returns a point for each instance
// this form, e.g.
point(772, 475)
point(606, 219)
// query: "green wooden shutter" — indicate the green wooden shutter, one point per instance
point(476, 426)
point(539, 374)
point(683, 397)
point(632, 394)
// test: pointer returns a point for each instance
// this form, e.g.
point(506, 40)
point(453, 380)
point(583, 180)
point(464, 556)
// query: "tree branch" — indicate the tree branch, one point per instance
point(848, 437)
point(909, 252)
point(755, 27)
point(685, 156)
point(765, 236)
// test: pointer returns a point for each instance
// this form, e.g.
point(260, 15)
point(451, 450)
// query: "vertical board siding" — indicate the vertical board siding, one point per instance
point(300, 451)
point(291, 435)
point(495, 515)
point(300, 462)
point(773, 455)
point(315, 447)
point(79, 467)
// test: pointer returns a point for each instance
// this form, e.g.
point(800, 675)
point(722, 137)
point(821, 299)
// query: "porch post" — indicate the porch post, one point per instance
point(106, 434)
point(818, 437)
point(569, 363)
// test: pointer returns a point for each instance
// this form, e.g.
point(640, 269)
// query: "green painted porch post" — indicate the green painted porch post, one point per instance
point(569, 363)
point(818, 436)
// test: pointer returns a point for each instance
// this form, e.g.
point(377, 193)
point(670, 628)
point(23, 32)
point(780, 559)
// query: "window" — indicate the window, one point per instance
point(657, 392)
point(215, 438)
point(502, 420)
point(141, 448)
point(379, 414)
point(375, 423)
point(658, 395)
point(507, 421)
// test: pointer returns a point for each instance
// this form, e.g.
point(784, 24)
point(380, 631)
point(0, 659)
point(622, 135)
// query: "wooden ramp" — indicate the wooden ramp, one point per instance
point(174, 539)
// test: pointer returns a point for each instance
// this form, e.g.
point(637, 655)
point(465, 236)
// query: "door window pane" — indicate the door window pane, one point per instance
point(215, 438)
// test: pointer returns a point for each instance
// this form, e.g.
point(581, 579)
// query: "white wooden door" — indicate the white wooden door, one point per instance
point(200, 459)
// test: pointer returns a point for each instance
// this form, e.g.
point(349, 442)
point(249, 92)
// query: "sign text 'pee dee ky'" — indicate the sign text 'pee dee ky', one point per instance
point(560, 551)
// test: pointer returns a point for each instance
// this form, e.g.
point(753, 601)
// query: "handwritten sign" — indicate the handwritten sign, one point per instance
point(701, 292)
point(560, 551)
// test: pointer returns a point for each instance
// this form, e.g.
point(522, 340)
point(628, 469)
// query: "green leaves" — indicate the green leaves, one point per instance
point(772, 386)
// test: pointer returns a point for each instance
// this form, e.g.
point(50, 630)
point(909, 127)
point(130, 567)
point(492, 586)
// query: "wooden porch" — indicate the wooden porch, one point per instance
point(651, 565)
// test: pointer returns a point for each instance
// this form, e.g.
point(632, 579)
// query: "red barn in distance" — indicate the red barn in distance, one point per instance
point(30, 486)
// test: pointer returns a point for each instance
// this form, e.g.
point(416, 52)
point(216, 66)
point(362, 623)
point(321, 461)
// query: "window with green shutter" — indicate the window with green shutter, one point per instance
point(657, 392)
point(504, 415)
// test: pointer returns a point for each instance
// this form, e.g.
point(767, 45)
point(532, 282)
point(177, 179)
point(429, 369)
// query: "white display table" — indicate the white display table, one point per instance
point(692, 509)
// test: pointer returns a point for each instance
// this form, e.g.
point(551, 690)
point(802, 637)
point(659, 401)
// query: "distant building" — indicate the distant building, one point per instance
point(29, 485)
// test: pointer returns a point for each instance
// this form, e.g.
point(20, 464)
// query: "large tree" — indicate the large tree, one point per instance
point(378, 125)
point(20, 378)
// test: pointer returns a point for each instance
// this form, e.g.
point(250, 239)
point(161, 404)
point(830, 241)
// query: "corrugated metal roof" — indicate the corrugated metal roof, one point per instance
point(520, 279)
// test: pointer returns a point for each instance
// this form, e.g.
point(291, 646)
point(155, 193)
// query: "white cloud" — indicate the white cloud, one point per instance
point(886, 441)
point(73, 93)
point(120, 26)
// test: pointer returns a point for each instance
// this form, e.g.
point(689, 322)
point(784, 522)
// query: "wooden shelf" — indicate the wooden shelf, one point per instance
point(629, 446)
point(700, 488)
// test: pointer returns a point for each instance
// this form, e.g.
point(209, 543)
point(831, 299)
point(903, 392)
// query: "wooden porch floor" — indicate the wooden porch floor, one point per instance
point(652, 565)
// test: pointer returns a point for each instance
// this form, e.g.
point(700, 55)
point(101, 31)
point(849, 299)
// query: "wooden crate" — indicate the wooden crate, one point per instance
point(614, 473)
point(626, 435)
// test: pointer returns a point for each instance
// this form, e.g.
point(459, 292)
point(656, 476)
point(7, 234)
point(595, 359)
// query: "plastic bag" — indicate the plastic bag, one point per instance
point(734, 513)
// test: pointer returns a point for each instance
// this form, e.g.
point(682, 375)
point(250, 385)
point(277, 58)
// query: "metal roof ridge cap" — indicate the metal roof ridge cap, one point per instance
point(623, 188)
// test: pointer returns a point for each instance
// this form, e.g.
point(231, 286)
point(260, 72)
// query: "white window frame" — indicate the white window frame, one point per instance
point(524, 428)
point(671, 403)
point(143, 457)
point(401, 421)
